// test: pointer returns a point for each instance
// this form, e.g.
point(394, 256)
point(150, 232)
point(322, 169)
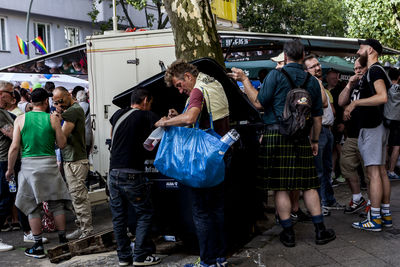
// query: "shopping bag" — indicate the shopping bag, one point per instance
point(192, 156)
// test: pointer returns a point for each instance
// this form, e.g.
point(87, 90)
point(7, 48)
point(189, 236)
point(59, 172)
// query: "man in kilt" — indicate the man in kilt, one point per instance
point(287, 164)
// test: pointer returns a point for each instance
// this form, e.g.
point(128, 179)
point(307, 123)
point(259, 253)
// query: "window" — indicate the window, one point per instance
point(72, 36)
point(3, 34)
point(43, 30)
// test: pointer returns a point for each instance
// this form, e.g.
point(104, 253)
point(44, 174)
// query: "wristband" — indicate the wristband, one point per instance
point(313, 141)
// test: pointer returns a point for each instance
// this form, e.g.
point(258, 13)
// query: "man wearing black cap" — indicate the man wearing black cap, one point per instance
point(35, 134)
point(373, 135)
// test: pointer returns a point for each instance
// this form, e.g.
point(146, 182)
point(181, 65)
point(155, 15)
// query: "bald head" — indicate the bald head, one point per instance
point(62, 99)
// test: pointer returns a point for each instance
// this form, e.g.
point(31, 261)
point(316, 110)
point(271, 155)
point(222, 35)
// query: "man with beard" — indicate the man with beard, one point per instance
point(350, 158)
point(373, 135)
point(323, 161)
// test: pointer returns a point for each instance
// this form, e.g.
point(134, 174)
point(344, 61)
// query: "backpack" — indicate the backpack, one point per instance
point(297, 110)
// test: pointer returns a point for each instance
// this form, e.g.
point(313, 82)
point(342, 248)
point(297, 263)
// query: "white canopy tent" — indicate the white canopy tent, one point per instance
point(67, 81)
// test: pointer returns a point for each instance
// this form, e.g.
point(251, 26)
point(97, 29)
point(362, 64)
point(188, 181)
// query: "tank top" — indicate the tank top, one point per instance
point(37, 136)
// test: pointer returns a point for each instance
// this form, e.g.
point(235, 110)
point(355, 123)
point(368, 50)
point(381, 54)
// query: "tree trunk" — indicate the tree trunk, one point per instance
point(194, 30)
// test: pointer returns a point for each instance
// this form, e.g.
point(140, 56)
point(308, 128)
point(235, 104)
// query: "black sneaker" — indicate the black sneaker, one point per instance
point(36, 251)
point(6, 227)
point(354, 207)
point(300, 216)
point(16, 226)
point(150, 260)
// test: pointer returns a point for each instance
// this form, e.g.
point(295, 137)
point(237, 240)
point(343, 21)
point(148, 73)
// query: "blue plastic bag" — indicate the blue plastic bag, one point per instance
point(192, 156)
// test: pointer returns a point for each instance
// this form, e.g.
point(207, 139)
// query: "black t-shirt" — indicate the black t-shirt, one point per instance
point(127, 147)
point(335, 92)
point(352, 125)
point(371, 117)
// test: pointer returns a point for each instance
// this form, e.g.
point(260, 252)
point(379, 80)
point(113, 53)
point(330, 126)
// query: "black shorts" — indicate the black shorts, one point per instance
point(394, 135)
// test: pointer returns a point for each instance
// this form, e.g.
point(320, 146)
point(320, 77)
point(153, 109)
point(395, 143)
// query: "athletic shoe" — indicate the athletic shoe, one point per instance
point(355, 206)
point(387, 219)
point(325, 212)
point(334, 206)
point(6, 227)
point(125, 262)
point(16, 226)
point(74, 235)
point(364, 213)
point(300, 216)
point(222, 262)
point(393, 176)
point(199, 263)
point(150, 260)
point(5, 247)
point(30, 239)
point(372, 223)
point(35, 252)
point(340, 179)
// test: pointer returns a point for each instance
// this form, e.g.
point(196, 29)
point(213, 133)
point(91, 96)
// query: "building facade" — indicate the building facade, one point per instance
point(59, 23)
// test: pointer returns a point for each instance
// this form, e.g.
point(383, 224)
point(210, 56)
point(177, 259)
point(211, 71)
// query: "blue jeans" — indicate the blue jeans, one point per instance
point(208, 218)
point(323, 165)
point(125, 191)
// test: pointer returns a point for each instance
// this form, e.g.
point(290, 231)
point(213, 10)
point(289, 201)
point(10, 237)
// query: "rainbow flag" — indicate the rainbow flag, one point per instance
point(38, 43)
point(22, 46)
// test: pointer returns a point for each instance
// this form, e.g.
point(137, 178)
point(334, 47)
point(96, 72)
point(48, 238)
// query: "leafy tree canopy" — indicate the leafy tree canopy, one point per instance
point(309, 17)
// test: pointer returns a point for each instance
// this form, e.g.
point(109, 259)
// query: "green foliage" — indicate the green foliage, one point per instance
point(377, 19)
point(309, 17)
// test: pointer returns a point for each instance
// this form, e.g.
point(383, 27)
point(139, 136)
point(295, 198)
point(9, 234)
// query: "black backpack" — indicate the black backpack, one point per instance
point(295, 120)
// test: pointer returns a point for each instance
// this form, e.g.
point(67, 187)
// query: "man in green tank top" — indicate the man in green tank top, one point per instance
point(36, 133)
point(76, 164)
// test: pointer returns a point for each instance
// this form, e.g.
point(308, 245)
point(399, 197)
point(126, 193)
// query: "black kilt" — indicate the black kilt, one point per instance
point(285, 165)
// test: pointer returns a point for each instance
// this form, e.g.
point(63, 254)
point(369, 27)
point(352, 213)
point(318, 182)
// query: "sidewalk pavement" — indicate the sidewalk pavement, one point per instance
point(352, 247)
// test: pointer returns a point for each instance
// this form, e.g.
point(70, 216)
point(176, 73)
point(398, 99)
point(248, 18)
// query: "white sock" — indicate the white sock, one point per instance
point(385, 208)
point(375, 211)
point(357, 197)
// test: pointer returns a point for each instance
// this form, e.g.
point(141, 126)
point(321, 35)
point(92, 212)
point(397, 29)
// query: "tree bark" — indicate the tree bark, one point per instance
point(126, 14)
point(194, 30)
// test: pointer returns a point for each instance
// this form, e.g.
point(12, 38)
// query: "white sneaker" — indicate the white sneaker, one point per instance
point(5, 247)
point(74, 235)
point(30, 239)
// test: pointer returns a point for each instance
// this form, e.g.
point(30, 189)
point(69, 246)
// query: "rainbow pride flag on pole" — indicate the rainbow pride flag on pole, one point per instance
point(22, 46)
point(38, 43)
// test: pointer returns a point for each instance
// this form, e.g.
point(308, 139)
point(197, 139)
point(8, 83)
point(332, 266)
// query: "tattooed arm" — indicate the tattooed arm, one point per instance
point(7, 130)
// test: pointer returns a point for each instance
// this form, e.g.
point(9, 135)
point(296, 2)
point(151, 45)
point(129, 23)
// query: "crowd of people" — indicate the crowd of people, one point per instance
point(348, 132)
point(43, 134)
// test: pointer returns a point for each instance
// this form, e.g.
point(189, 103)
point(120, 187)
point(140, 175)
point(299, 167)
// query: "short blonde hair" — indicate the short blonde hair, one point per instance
point(177, 69)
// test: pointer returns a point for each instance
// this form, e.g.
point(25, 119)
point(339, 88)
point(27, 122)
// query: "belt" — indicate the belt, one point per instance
point(132, 173)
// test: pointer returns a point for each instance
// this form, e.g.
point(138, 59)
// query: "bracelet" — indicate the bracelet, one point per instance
point(313, 141)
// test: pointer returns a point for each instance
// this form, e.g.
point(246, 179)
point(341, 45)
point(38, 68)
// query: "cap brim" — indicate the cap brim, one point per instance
point(362, 42)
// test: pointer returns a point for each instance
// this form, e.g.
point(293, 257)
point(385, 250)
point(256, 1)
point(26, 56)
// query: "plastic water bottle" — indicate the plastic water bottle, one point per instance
point(12, 185)
point(153, 139)
point(229, 139)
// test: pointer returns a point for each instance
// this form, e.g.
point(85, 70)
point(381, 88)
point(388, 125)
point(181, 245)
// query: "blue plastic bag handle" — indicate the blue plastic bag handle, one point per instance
point(197, 123)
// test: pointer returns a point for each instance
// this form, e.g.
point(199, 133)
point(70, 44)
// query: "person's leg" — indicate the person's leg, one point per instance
point(35, 222)
point(283, 207)
point(75, 173)
point(294, 200)
point(327, 170)
point(119, 216)
point(6, 198)
point(349, 162)
point(139, 196)
point(376, 189)
point(393, 158)
point(202, 223)
point(319, 165)
point(217, 200)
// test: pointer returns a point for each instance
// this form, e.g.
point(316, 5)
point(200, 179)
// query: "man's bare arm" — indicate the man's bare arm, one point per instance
point(187, 118)
point(67, 128)
point(15, 146)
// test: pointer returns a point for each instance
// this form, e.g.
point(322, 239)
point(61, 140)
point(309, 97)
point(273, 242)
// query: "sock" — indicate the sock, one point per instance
point(357, 197)
point(385, 208)
point(369, 202)
point(286, 223)
point(317, 219)
point(375, 211)
point(38, 239)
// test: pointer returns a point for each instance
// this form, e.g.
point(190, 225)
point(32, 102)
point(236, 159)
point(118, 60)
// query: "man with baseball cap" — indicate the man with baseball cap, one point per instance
point(373, 135)
point(35, 134)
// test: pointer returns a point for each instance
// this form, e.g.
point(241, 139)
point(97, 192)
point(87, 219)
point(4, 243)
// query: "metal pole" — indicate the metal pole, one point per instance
point(27, 26)
point(114, 18)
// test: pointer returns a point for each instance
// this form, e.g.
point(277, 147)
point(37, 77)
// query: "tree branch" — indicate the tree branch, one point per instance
point(126, 13)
